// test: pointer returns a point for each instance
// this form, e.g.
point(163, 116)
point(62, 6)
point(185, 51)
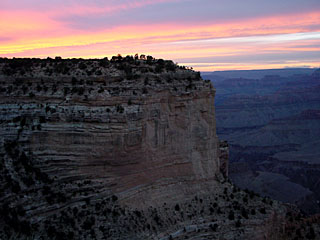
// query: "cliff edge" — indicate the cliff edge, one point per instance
point(127, 129)
point(120, 149)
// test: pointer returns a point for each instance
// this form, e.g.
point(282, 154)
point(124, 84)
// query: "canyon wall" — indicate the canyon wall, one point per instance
point(120, 149)
point(150, 136)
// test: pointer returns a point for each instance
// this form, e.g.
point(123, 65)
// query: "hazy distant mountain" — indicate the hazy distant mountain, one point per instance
point(272, 123)
point(256, 74)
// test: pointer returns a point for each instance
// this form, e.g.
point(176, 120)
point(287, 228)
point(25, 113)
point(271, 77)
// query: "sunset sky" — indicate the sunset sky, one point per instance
point(208, 35)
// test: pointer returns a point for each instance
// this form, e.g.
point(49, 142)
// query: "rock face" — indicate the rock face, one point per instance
point(122, 133)
point(224, 158)
point(121, 149)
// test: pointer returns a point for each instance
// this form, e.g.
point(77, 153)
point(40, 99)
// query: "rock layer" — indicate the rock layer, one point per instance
point(117, 135)
point(121, 149)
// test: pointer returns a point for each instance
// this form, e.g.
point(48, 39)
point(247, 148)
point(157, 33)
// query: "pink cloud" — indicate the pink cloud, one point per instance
point(113, 9)
point(33, 33)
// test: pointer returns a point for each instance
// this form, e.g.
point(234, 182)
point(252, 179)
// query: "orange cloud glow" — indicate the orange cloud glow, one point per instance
point(35, 34)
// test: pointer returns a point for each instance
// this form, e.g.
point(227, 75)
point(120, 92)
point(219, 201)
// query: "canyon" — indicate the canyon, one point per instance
point(271, 120)
point(122, 149)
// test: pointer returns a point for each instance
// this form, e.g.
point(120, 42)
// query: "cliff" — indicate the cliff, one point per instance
point(150, 130)
point(120, 149)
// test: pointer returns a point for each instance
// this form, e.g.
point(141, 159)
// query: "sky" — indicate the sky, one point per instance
point(208, 35)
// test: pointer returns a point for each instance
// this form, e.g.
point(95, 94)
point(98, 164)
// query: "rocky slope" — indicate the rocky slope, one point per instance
point(120, 149)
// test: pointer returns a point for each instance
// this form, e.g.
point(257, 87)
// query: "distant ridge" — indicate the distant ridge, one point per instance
point(259, 73)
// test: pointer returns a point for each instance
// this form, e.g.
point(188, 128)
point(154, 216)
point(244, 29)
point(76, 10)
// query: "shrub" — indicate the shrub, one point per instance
point(23, 121)
point(61, 67)
point(21, 211)
point(82, 66)
point(54, 88)
point(238, 223)
point(15, 187)
point(66, 90)
point(170, 66)
point(51, 231)
point(177, 207)
point(159, 68)
point(244, 213)
point(103, 63)
point(25, 227)
point(263, 210)
point(101, 90)
point(74, 81)
point(311, 234)
point(42, 119)
point(89, 82)
point(144, 90)
point(39, 88)
point(80, 91)
point(120, 109)
point(231, 215)
point(214, 227)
